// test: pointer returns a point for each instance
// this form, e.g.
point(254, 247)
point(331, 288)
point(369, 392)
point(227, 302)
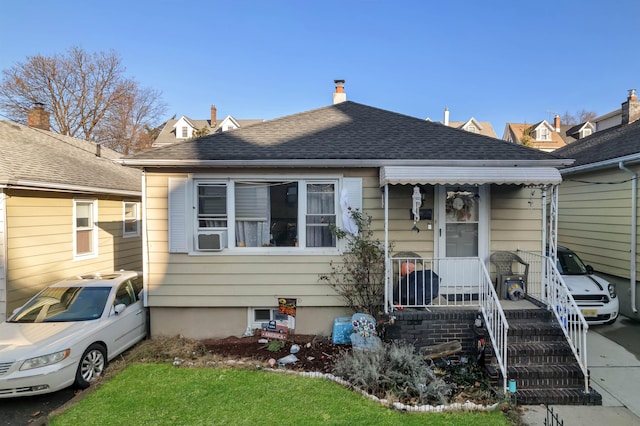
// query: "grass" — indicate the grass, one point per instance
point(161, 394)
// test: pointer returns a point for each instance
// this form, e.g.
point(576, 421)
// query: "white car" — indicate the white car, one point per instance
point(66, 334)
point(595, 296)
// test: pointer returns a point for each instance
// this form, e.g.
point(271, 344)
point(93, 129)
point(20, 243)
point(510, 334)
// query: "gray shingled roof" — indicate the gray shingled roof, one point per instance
point(38, 158)
point(345, 131)
point(608, 144)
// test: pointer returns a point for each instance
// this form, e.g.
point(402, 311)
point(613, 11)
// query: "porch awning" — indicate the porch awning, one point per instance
point(415, 175)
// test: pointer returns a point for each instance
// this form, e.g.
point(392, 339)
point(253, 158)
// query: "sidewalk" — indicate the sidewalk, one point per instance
point(615, 374)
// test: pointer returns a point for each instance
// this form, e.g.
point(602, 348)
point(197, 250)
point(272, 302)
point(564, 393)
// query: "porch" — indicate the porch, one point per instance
point(440, 299)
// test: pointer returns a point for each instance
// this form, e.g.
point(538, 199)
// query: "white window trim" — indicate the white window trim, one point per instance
point(94, 230)
point(183, 227)
point(252, 324)
point(135, 233)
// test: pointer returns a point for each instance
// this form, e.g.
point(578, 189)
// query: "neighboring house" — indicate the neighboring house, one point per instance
point(186, 128)
point(471, 125)
point(542, 135)
point(572, 132)
point(238, 222)
point(598, 205)
point(616, 117)
point(65, 208)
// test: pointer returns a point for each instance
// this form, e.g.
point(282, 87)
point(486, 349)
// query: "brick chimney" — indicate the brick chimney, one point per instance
point(37, 117)
point(339, 95)
point(214, 112)
point(631, 108)
point(556, 123)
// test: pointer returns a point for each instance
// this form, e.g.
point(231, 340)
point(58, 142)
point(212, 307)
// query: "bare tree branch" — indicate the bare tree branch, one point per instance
point(87, 95)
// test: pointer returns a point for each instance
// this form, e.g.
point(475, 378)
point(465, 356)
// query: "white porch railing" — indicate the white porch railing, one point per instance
point(545, 284)
point(450, 282)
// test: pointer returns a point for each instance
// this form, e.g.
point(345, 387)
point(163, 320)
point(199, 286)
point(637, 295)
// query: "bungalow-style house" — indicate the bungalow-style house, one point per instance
point(542, 135)
point(471, 125)
point(65, 209)
point(185, 128)
point(236, 221)
point(236, 236)
point(598, 207)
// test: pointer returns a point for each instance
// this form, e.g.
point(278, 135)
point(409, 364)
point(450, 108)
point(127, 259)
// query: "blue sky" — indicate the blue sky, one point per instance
point(497, 61)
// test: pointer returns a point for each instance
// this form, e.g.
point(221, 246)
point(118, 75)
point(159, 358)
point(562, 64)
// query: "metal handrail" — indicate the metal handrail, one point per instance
point(547, 286)
point(495, 322)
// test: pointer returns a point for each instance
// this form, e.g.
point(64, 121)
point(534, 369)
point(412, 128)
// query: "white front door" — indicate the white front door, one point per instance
point(462, 227)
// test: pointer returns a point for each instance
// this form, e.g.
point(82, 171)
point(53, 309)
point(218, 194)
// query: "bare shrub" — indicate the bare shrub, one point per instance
point(393, 369)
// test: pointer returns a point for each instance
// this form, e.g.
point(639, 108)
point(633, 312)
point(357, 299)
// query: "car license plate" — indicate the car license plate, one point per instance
point(589, 312)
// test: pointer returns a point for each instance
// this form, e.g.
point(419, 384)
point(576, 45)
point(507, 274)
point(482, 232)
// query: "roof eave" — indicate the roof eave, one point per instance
point(52, 187)
point(142, 163)
point(613, 162)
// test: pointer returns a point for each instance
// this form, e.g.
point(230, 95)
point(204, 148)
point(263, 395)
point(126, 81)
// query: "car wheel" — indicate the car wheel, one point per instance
point(91, 366)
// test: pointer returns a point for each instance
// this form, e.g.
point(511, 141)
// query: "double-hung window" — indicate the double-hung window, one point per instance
point(85, 230)
point(131, 220)
point(258, 213)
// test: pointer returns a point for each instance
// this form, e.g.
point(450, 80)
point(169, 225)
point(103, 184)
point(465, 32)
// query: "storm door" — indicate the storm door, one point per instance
point(462, 229)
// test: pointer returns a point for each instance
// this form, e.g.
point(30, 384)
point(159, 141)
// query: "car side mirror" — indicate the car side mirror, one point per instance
point(119, 308)
point(590, 269)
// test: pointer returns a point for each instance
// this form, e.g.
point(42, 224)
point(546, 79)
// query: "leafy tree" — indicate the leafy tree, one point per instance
point(88, 97)
point(200, 133)
point(526, 139)
point(360, 275)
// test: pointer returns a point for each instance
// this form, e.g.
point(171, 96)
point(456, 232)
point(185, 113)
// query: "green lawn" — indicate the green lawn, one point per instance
point(160, 394)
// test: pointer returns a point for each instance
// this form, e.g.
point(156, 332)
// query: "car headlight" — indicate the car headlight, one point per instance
point(612, 291)
point(41, 361)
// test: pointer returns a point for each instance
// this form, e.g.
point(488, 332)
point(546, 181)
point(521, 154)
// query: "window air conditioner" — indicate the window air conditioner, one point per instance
point(212, 241)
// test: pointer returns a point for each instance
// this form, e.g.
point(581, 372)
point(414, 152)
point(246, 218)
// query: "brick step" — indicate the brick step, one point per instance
point(539, 376)
point(528, 314)
point(521, 331)
point(558, 397)
point(546, 376)
point(544, 352)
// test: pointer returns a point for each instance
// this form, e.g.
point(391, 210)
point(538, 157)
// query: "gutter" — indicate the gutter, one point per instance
point(634, 222)
point(43, 186)
point(333, 162)
point(628, 159)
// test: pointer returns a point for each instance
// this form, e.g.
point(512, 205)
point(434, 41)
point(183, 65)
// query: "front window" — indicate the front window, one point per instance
point(321, 212)
point(212, 205)
point(64, 304)
point(185, 132)
point(131, 222)
point(254, 213)
point(85, 228)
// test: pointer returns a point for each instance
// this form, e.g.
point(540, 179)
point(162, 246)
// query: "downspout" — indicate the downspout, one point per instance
point(634, 221)
point(387, 272)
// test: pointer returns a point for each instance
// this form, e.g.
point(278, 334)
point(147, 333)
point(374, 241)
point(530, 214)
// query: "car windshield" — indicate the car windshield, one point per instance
point(570, 264)
point(64, 304)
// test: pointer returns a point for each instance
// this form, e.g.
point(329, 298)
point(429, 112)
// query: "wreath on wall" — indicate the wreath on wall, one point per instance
point(461, 205)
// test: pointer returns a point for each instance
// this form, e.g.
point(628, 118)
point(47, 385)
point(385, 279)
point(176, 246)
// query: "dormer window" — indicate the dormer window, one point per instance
point(585, 133)
point(471, 128)
point(185, 132)
point(543, 134)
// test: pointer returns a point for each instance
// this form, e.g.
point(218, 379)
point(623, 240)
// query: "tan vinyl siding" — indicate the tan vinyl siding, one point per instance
point(594, 219)
point(228, 279)
point(40, 241)
point(516, 218)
